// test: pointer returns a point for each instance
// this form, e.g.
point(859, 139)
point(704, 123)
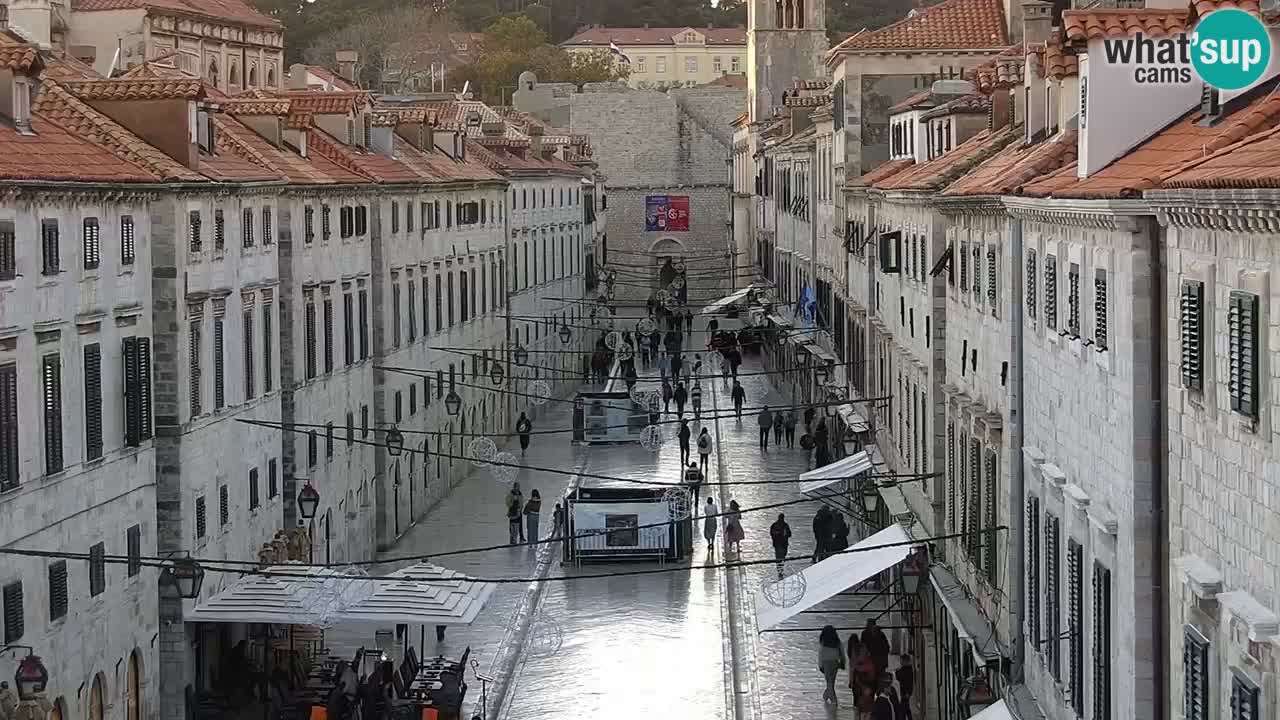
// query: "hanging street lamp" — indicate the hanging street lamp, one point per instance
point(565, 334)
point(308, 500)
point(453, 403)
point(870, 496)
point(185, 576)
point(32, 677)
point(497, 374)
point(521, 355)
point(395, 442)
point(976, 694)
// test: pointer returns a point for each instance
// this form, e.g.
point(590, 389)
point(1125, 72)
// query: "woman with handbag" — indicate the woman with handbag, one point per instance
point(830, 660)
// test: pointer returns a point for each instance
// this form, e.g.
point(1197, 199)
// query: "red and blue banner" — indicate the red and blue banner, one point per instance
point(666, 213)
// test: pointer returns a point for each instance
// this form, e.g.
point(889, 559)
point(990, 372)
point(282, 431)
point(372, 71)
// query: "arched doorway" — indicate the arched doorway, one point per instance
point(133, 700)
point(97, 695)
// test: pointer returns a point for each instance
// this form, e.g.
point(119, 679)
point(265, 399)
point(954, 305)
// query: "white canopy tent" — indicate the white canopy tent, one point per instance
point(843, 469)
point(999, 711)
point(297, 595)
point(836, 574)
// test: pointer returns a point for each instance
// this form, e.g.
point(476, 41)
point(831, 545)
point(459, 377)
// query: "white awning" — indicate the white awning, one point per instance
point(852, 418)
point(723, 303)
point(823, 354)
point(843, 469)
point(831, 576)
point(999, 711)
point(298, 595)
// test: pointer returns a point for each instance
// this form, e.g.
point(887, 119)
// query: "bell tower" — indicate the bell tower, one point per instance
point(786, 41)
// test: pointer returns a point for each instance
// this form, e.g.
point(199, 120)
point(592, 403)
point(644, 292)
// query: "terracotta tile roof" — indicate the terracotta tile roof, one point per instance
point(498, 157)
point(921, 98)
point(949, 25)
point(1080, 25)
point(966, 105)
point(62, 154)
point(312, 170)
point(251, 107)
point(20, 58)
point(1055, 62)
point(943, 170)
point(602, 36)
point(324, 103)
point(337, 81)
point(1182, 142)
point(234, 160)
point(57, 104)
point(60, 65)
point(1003, 71)
point(1250, 163)
point(374, 165)
point(1017, 164)
point(136, 89)
point(737, 81)
point(1204, 7)
point(883, 172)
point(234, 11)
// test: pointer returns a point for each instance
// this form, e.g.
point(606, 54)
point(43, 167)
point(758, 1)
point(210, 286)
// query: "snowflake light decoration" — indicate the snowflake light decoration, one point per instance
point(546, 638)
point(541, 392)
point(785, 591)
point(646, 326)
point(481, 451)
point(612, 340)
point(679, 502)
point(624, 351)
point(677, 283)
point(663, 297)
point(651, 438)
point(504, 467)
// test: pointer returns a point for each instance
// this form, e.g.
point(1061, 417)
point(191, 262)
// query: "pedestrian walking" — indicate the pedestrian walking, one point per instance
point(693, 478)
point(780, 535)
point(739, 396)
point(862, 679)
point(735, 360)
point(877, 645)
point(830, 661)
point(557, 522)
point(684, 435)
point(532, 514)
point(821, 446)
point(677, 364)
point(906, 674)
point(666, 395)
point(809, 412)
point(733, 533)
point(697, 367)
point(839, 529)
point(686, 369)
point(709, 520)
point(664, 366)
point(777, 428)
point(515, 504)
point(765, 418)
point(704, 449)
point(696, 398)
point(789, 426)
point(681, 395)
point(644, 352)
point(524, 426)
point(688, 322)
point(821, 533)
point(883, 707)
point(724, 368)
point(712, 326)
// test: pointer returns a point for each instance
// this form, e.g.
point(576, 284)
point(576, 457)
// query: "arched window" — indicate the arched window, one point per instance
point(97, 696)
point(799, 14)
point(778, 19)
point(253, 76)
point(212, 75)
point(233, 75)
point(271, 76)
point(133, 703)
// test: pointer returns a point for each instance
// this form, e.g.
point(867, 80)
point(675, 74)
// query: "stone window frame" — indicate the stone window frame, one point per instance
point(1103, 259)
point(1256, 283)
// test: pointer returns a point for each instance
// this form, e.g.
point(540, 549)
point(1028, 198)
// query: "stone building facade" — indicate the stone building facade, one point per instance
point(351, 254)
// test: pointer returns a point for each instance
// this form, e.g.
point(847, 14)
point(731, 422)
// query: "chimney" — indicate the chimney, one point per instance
point(33, 20)
point(347, 61)
point(1001, 109)
point(493, 129)
point(1037, 21)
point(297, 76)
point(15, 99)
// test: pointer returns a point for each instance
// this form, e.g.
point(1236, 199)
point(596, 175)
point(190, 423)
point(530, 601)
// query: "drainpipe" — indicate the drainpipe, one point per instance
point(1160, 468)
point(1017, 481)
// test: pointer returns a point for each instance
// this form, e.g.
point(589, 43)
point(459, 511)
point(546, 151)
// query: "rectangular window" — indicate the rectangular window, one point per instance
point(1073, 300)
point(975, 500)
point(195, 343)
point(254, 500)
point(246, 227)
point(990, 470)
point(1031, 565)
point(267, 237)
point(399, 406)
point(97, 569)
point(328, 332)
point(449, 301)
point(1051, 292)
point(267, 376)
point(219, 366)
point(1102, 643)
point(1052, 605)
point(408, 216)
point(58, 600)
point(246, 326)
point(1100, 309)
point(660, 64)
point(691, 65)
point(14, 615)
point(224, 506)
point(328, 441)
point(8, 427)
point(1191, 328)
point(717, 65)
point(51, 384)
point(964, 267)
point(364, 324)
point(351, 426)
point(91, 240)
point(326, 223)
point(1075, 625)
point(273, 479)
point(133, 549)
point(362, 220)
point(128, 247)
point(1031, 284)
point(202, 523)
point(413, 309)
point(49, 238)
point(977, 272)
point(395, 217)
point(93, 401)
point(308, 224)
point(439, 304)
point(348, 328)
point(346, 222)
point(463, 295)
point(364, 421)
point(8, 251)
point(1246, 698)
point(395, 314)
point(1242, 353)
point(219, 230)
point(952, 480)
point(309, 337)
point(313, 449)
point(426, 324)
point(1195, 675)
point(413, 400)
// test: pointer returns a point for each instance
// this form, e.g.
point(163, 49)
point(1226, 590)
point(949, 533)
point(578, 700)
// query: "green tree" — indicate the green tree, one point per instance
point(396, 45)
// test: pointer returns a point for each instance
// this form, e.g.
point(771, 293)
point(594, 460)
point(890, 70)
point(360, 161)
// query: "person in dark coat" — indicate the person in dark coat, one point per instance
point(685, 434)
point(524, 426)
point(883, 709)
point(739, 396)
point(688, 322)
point(821, 532)
point(693, 478)
point(667, 394)
point(677, 364)
point(821, 446)
point(765, 419)
point(839, 533)
point(695, 397)
point(808, 420)
point(681, 396)
point(877, 644)
point(735, 359)
point(780, 534)
point(906, 674)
